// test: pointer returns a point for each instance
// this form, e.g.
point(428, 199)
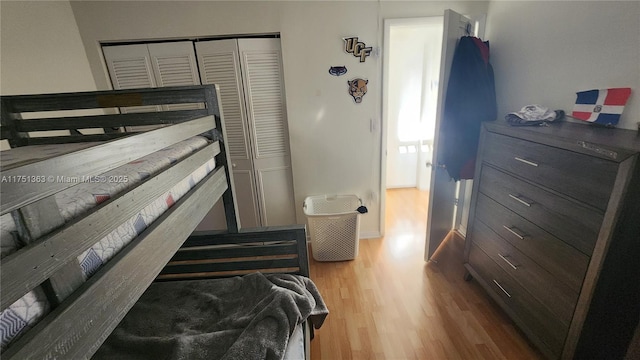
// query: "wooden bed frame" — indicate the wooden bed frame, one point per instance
point(83, 314)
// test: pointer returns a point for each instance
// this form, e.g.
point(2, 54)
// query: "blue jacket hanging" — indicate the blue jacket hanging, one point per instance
point(470, 100)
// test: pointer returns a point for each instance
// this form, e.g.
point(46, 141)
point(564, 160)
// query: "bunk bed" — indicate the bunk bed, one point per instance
point(97, 226)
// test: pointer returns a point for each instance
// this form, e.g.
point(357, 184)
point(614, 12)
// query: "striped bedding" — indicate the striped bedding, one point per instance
point(75, 201)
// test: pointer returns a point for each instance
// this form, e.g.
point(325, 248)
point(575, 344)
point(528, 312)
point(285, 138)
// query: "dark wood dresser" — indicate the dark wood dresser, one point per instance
point(554, 234)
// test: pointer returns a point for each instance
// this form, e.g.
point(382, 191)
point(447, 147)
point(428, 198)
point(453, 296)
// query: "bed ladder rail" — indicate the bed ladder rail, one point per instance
point(59, 112)
point(109, 111)
point(213, 254)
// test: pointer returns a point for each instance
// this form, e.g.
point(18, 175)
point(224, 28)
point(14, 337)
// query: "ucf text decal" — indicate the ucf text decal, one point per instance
point(357, 48)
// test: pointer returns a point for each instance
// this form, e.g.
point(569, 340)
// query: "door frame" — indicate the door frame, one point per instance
point(385, 121)
point(480, 25)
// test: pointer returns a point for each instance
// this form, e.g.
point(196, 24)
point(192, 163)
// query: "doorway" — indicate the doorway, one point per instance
point(443, 192)
point(411, 71)
point(411, 74)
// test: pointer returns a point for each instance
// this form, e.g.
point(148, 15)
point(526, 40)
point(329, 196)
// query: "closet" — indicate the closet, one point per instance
point(152, 65)
point(249, 74)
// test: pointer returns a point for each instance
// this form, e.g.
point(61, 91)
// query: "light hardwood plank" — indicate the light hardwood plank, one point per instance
point(389, 304)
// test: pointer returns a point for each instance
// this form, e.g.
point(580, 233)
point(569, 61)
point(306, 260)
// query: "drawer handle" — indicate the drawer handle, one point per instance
point(501, 288)
point(521, 237)
point(526, 161)
point(519, 200)
point(507, 261)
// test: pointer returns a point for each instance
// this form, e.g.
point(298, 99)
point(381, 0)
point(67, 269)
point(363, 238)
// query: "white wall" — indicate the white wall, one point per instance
point(544, 52)
point(41, 50)
point(333, 149)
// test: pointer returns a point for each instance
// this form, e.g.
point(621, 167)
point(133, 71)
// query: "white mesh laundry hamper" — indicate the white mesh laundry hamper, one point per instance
point(334, 226)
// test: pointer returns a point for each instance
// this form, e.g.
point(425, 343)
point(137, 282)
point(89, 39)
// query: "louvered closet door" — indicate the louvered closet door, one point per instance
point(174, 64)
point(130, 68)
point(152, 65)
point(261, 64)
point(219, 64)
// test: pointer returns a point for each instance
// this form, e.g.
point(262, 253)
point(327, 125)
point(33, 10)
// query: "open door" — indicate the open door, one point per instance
point(442, 195)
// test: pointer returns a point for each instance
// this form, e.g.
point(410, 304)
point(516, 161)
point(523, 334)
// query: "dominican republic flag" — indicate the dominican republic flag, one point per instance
point(602, 106)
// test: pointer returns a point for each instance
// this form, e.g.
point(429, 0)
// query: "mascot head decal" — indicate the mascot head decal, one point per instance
point(357, 89)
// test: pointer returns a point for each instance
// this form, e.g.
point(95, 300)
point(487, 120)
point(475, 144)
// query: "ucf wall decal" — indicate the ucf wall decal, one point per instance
point(357, 48)
point(357, 86)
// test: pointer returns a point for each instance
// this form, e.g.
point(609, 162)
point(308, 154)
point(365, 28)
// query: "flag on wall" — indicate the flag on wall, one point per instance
point(602, 106)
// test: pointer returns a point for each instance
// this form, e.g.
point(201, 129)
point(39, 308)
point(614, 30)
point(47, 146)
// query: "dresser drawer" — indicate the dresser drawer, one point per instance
point(567, 220)
point(553, 295)
point(541, 325)
point(564, 262)
point(554, 168)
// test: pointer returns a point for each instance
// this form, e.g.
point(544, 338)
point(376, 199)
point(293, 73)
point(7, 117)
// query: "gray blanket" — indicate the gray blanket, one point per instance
point(249, 317)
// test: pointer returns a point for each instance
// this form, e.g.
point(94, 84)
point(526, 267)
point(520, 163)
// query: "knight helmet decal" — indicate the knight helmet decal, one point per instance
point(357, 89)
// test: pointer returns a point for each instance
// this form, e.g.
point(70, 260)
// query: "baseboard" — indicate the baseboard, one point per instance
point(370, 235)
point(462, 230)
point(363, 236)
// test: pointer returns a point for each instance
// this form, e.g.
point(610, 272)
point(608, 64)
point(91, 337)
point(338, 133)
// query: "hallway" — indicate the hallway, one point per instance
point(389, 304)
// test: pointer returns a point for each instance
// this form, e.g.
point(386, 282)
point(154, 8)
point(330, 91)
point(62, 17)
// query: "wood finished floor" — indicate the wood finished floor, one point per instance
point(390, 304)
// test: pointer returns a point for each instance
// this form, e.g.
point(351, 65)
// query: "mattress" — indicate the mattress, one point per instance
point(295, 346)
point(96, 256)
point(77, 200)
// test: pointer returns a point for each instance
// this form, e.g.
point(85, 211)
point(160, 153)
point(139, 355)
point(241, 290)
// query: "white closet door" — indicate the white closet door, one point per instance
point(263, 81)
point(174, 64)
point(130, 68)
point(152, 65)
point(218, 61)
